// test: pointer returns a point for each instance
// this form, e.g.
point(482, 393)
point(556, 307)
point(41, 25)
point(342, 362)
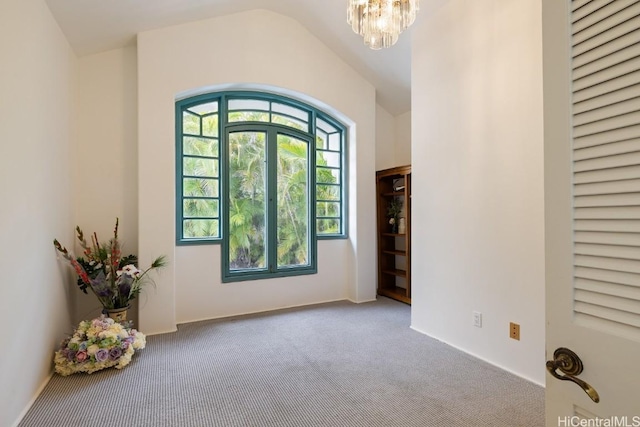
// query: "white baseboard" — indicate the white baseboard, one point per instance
point(260, 311)
point(517, 374)
point(33, 399)
point(168, 331)
point(361, 302)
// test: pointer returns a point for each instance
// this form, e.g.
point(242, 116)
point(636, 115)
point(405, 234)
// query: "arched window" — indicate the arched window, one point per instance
point(262, 174)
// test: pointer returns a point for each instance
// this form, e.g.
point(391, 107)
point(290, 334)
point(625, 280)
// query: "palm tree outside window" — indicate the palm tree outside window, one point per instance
point(261, 174)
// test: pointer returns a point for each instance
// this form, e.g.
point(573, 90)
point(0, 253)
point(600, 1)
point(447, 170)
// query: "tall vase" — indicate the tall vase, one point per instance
point(117, 314)
point(402, 226)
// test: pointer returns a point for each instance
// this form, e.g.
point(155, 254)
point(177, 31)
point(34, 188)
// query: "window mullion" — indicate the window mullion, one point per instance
point(223, 168)
point(311, 197)
point(272, 191)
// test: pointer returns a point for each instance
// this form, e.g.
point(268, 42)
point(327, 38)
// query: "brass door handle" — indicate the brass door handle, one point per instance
point(570, 364)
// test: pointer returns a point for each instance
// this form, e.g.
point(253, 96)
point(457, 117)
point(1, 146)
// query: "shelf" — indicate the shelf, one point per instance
point(399, 253)
point(395, 272)
point(396, 293)
point(394, 249)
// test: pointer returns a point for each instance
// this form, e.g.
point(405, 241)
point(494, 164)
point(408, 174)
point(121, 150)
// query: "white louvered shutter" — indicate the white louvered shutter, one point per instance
point(606, 144)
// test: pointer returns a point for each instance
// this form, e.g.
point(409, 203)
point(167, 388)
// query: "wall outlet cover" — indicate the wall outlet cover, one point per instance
point(477, 319)
point(514, 331)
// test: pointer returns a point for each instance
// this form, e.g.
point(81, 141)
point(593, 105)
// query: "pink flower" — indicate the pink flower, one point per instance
point(83, 274)
point(81, 356)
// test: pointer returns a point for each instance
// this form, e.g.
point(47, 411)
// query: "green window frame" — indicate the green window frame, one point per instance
point(203, 123)
point(198, 201)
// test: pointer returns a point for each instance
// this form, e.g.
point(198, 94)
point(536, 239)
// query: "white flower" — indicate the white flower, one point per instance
point(130, 270)
point(392, 221)
point(124, 360)
point(92, 349)
point(84, 325)
point(140, 341)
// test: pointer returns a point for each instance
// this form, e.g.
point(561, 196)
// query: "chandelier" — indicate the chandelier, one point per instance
point(380, 22)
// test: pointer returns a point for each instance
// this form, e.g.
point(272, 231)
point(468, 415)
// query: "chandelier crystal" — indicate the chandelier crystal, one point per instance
point(380, 22)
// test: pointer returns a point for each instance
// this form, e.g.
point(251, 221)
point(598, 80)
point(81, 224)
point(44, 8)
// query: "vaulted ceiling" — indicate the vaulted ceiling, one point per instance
point(93, 26)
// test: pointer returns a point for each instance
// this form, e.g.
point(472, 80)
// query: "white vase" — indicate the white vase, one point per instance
point(402, 227)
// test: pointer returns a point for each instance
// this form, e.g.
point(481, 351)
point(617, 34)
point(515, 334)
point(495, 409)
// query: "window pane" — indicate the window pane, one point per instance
point(190, 123)
point(328, 226)
point(248, 116)
point(290, 111)
point(288, 121)
point(194, 208)
point(325, 158)
point(200, 187)
point(210, 125)
point(248, 104)
point(247, 195)
point(334, 141)
point(321, 140)
point(200, 146)
point(328, 192)
point(327, 176)
point(326, 127)
point(199, 228)
point(327, 209)
point(200, 167)
point(293, 206)
point(204, 109)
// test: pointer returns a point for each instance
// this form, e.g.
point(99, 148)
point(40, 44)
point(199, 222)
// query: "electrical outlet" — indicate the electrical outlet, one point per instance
point(477, 319)
point(514, 331)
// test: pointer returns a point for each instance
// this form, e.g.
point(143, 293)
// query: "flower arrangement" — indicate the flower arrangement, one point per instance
point(98, 344)
point(393, 212)
point(115, 280)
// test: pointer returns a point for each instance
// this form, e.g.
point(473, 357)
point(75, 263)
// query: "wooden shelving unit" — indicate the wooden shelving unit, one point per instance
point(394, 247)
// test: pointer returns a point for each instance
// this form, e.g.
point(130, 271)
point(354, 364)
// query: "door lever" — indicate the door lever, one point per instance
point(570, 364)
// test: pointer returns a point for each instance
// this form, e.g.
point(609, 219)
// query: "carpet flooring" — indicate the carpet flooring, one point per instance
point(335, 364)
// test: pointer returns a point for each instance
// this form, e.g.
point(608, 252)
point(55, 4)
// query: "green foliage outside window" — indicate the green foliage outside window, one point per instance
point(205, 148)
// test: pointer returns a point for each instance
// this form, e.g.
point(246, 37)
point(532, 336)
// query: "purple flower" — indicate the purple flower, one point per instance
point(70, 354)
point(124, 285)
point(100, 285)
point(115, 353)
point(104, 292)
point(102, 355)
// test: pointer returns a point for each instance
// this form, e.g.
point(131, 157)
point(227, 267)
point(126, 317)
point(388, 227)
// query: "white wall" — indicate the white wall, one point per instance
point(106, 173)
point(254, 48)
point(393, 139)
point(403, 139)
point(478, 180)
point(36, 99)
point(385, 139)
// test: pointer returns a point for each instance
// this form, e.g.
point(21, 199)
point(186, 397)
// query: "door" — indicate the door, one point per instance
point(592, 205)
point(270, 204)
